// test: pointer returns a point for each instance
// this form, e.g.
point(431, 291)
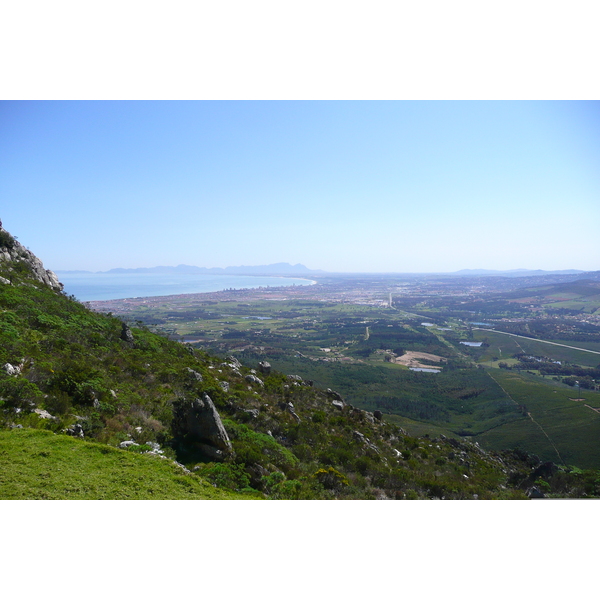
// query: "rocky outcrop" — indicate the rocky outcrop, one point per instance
point(264, 367)
point(234, 362)
point(254, 379)
point(335, 395)
point(14, 255)
point(126, 334)
point(198, 421)
point(11, 369)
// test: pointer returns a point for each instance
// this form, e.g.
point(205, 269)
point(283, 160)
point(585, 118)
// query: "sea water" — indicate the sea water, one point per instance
point(114, 286)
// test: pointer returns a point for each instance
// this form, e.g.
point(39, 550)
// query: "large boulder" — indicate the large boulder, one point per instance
point(198, 421)
point(126, 334)
point(264, 367)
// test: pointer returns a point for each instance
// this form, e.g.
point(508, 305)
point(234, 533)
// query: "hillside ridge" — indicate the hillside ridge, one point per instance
point(243, 428)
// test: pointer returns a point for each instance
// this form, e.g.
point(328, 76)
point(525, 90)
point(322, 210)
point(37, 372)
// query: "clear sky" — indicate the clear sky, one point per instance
point(370, 186)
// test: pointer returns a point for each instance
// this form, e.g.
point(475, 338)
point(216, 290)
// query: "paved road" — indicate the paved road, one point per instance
point(536, 340)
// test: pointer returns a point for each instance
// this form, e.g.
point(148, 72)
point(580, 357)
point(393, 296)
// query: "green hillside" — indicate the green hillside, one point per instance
point(40, 465)
point(127, 397)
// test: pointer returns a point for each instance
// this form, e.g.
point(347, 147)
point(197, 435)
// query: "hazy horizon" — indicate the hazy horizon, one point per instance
point(310, 270)
point(340, 186)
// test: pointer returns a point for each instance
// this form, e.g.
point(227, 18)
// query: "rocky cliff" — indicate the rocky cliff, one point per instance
point(15, 258)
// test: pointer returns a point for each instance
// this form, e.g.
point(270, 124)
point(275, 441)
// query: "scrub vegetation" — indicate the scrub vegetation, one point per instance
point(88, 406)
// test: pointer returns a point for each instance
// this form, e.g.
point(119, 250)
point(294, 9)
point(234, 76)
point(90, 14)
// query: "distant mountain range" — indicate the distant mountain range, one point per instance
point(274, 269)
point(514, 272)
point(299, 270)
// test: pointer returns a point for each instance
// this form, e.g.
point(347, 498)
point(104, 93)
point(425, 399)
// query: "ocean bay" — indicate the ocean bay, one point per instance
point(114, 286)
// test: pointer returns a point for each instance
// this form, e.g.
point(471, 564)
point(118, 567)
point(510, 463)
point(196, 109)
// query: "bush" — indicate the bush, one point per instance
point(58, 403)
point(226, 475)
point(6, 240)
point(318, 416)
point(331, 479)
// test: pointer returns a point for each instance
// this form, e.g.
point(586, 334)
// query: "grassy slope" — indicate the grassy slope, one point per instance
point(573, 428)
point(39, 465)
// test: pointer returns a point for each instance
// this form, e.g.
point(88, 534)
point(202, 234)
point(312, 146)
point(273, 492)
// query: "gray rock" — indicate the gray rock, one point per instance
point(198, 421)
point(334, 395)
point(535, 492)
point(11, 369)
point(235, 362)
point(338, 404)
point(224, 386)
point(75, 431)
point(295, 378)
point(44, 414)
point(126, 444)
point(233, 367)
point(155, 448)
point(264, 367)
point(194, 374)
point(378, 415)
point(4, 280)
point(126, 334)
point(254, 379)
point(369, 417)
point(289, 407)
point(252, 412)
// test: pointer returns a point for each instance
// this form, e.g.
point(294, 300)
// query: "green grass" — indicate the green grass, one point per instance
point(509, 345)
point(40, 465)
point(583, 306)
point(418, 428)
point(571, 426)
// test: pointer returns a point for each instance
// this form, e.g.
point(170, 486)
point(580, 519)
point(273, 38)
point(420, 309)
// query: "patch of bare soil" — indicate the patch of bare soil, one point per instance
point(412, 359)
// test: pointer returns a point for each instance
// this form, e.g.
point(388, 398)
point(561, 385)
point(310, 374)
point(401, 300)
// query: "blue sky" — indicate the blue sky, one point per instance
point(371, 186)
